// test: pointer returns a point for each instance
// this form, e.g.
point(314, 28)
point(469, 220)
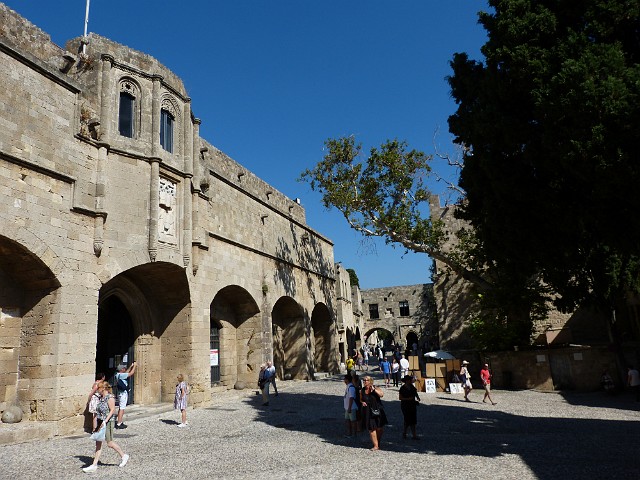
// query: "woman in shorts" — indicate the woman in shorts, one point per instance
point(106, 411)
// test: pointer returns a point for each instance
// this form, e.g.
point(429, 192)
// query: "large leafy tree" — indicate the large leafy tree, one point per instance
point(551, 122)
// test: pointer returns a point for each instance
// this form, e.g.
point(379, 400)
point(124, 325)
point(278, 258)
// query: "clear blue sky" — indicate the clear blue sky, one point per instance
point(272, 80)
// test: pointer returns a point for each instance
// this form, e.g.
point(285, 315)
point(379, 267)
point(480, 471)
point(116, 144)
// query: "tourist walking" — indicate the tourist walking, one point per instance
point(359, 361)
point(94, 398)
point(105, 412)
point(272, 376)
point(373, 415)
point(409, 399)
point(395, 372)
point(357, 383)
point(349, 364)
point(365, 355)
point(485, 375)
point(465, 379)
point(180, 400)
point(123, 383)
point(385, 367)
point(350, 407)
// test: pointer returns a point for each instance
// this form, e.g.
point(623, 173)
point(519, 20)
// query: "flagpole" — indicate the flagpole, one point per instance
point(86, 26)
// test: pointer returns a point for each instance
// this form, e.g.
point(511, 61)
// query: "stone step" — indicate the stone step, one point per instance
point(321, 375)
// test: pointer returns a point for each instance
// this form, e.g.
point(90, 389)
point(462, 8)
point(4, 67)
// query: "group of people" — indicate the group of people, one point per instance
point(266, 379)
point(465, 379)
point(364, 409)
point(101, 404)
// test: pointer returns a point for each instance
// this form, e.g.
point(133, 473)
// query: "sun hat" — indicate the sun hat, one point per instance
point(464, 362)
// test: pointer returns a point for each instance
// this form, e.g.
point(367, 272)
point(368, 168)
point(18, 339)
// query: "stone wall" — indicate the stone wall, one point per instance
point(114, 248)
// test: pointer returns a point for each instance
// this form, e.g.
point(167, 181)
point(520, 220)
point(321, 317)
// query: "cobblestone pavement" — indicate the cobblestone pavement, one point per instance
point(301, 435)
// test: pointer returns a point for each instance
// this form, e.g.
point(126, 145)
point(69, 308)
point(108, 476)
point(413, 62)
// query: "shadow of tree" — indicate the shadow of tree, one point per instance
point(552, 447)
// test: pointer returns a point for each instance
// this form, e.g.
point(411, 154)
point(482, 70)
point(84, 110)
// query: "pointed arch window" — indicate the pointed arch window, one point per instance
point(167, 121)
point(126, 114)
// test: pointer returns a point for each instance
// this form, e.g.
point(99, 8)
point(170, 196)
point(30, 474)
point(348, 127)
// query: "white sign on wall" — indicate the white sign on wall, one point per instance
point(213, 357)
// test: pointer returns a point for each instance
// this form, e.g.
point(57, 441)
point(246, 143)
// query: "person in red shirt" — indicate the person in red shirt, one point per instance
point(485, 375)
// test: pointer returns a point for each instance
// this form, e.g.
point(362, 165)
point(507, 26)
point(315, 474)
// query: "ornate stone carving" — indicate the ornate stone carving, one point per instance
point(167, 212)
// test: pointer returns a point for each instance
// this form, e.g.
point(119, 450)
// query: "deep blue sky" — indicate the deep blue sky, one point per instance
point(272, 80)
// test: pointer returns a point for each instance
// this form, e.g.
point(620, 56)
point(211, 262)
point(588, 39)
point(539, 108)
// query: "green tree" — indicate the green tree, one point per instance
point(353, 277)
point(550, 124)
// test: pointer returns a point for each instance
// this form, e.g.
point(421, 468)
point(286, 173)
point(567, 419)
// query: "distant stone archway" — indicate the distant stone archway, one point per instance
point(291, 343)
point(237, 315)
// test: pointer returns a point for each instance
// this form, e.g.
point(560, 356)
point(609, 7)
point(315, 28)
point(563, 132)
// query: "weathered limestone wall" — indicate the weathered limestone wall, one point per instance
point(98, 229)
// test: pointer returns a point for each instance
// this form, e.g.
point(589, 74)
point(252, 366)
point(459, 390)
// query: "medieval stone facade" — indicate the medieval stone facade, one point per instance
point(406, 313)
point(126, 236)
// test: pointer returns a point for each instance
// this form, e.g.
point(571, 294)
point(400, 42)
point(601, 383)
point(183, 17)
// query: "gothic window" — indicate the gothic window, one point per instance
point(125, 116)
point(373, 311)
point(167, 121)
point(404, 308)
point(128, 108)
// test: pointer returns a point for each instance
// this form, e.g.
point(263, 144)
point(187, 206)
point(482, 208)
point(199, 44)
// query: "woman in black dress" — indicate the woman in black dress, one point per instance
point(373, 416)
point(408, 404)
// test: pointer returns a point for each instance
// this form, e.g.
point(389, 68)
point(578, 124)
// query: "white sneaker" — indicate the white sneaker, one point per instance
point(125, 459)
point(90, 468)
point(182, 425)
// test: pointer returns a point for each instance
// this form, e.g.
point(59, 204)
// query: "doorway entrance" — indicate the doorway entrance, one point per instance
point(116, 338)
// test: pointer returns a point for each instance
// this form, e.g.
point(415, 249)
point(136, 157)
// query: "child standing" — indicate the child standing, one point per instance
point(180, 401)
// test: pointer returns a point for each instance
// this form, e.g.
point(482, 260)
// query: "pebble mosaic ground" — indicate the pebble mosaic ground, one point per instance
point(527, 435)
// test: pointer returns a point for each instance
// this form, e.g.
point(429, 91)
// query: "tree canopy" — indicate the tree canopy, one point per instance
point(550, 123)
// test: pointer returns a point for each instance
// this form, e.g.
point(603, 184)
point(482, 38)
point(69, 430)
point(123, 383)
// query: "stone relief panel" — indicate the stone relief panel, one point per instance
point(167, 213)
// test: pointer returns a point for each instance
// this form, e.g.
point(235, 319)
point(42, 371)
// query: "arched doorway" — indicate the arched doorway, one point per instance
point(324, 354)
point(115, 340)
point(235, 327)
point(291, 343)
point(144, 313)
point(412, 343)
point(28, 297)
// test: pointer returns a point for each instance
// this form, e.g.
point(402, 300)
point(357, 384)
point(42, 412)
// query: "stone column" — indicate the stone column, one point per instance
point(101, 214)
point(188, 171)
point(154, 180)
point(107, 98)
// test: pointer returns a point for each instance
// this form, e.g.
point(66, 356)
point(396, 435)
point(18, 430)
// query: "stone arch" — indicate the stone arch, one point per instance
point(386, 337)
point(235, 312)
point(29, 305)
point(323, 339)
point(149, 305)
point(290, 339)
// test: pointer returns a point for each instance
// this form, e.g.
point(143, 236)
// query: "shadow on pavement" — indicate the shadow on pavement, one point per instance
point(552, 447)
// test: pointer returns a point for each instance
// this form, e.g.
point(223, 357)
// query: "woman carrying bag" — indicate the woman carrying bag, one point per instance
point(373, 415)
point(105, 411)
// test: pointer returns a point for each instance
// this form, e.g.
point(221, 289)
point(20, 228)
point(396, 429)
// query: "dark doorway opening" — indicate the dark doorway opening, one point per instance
point(116, 339)
point(214, 354)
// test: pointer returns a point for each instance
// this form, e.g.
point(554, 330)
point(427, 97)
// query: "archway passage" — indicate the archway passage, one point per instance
point(236, 322)
point(116, 338)
point(290, 340)
point(412, 343)
point(144, 313)
point(379, 337)
point(28, 296)
point(324, 354)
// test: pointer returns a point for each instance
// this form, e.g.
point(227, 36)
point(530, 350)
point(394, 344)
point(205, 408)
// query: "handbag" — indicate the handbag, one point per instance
point(375, 412)
point(100, 434)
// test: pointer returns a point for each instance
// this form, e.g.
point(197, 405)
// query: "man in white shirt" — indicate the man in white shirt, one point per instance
point(123, 377)
point(404, 367)
point(350, 407)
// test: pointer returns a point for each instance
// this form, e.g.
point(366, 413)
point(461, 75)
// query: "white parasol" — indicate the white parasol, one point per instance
point(440, 355)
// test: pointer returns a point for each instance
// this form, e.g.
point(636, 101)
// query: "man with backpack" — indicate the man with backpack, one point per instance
point(123, 383)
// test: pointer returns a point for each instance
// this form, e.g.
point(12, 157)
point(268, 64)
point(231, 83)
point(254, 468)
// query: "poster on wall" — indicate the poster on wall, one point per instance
point(213, 358)
point(456, 388)
point(430, 385)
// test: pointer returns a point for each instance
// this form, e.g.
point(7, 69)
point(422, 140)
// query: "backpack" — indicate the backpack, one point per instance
point(122, 385)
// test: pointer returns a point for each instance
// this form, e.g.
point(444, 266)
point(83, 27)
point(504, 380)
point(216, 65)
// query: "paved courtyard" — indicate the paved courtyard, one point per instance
point(301, 435)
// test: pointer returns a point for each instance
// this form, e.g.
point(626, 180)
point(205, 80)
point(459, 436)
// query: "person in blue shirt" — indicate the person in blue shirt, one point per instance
point(385, 366)
point(123, 377)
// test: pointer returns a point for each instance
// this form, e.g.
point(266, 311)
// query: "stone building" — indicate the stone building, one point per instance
point(126, 236)
point(406, 314)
